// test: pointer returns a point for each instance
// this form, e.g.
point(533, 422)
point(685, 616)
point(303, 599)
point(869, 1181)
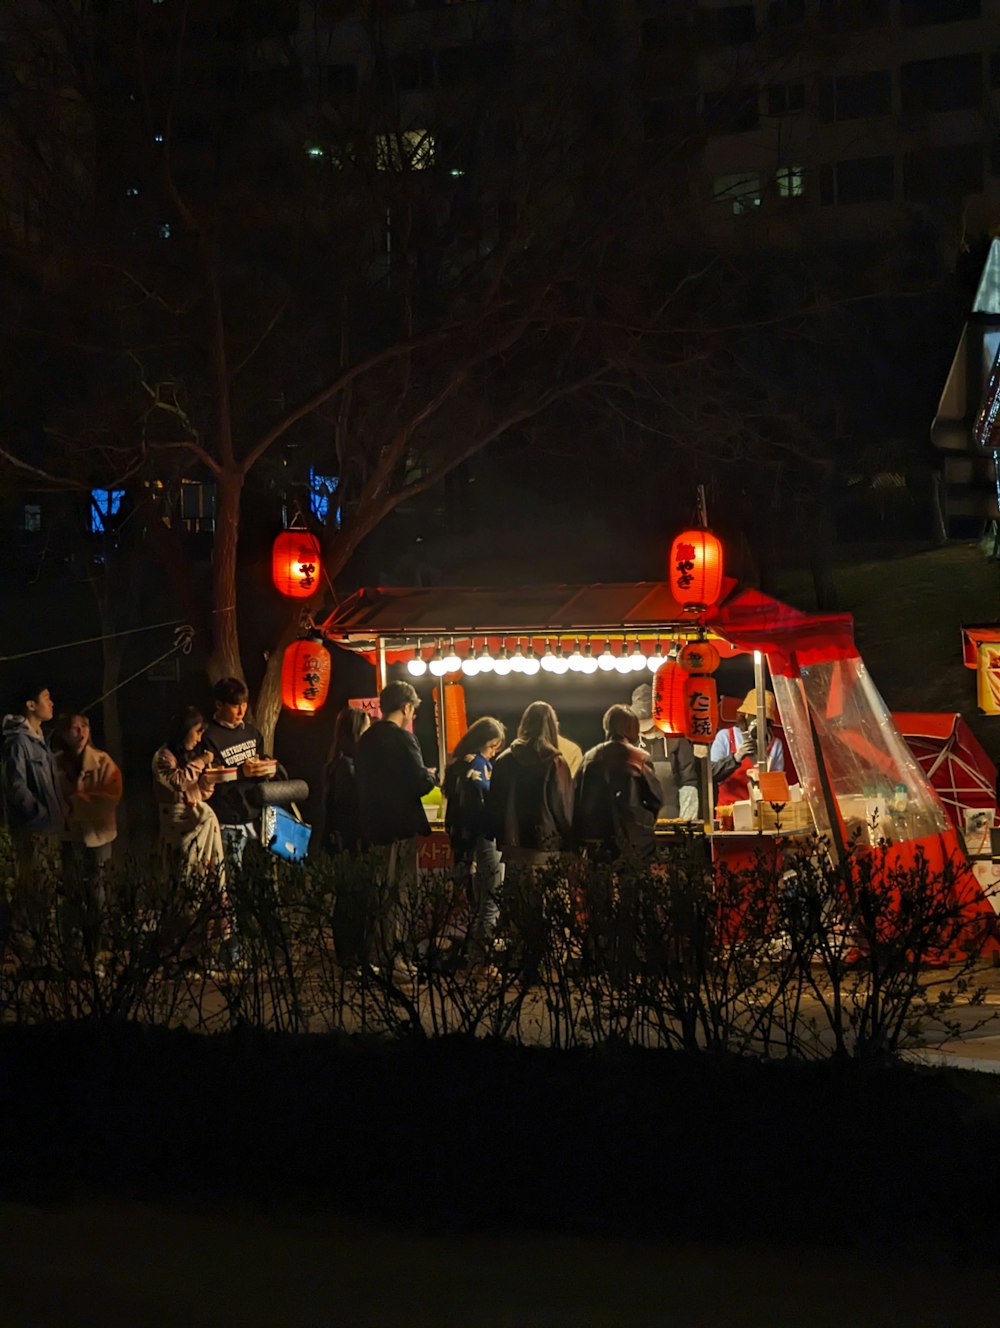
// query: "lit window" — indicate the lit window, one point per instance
point(32, 518)
point(740, 192)
point(791, 181)
point(411, 150)
point(104, 504)
point(323, 489)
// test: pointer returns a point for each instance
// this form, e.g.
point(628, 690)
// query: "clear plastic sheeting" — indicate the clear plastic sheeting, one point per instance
point(879, 787)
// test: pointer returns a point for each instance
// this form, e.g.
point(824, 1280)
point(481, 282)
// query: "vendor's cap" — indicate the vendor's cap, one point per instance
point(642, 701)
point(749, 706)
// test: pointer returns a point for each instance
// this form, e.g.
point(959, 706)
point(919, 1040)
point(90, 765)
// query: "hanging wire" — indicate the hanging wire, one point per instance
point(91, 640)
point(183, 641)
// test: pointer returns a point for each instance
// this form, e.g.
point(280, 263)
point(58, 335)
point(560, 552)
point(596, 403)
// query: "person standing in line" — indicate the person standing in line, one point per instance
point(342, 838)
point(392, 778)
point(617, 794)
point(674, 762)
point(530, 803)
point(92, 787)
point(34, 806)
point(235, 744)
point(342, 810)
point(477, 861)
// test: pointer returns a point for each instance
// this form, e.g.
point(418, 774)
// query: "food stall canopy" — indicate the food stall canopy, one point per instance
point(791, 639)
point(953, 760)
point(746, 620)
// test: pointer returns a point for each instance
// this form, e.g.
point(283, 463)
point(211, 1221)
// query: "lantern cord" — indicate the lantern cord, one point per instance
point(91, 640)
point(183, 640)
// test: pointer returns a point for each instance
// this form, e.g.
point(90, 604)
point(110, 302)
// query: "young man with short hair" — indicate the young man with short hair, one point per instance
point(33, 802)
point(392, 779)
point(236, 745)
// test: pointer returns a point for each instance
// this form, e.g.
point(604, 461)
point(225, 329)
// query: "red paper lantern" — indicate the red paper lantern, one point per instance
point(698, 657)
point(685, 705)
point(305, 675)
point(696, 566)
point(296, 564)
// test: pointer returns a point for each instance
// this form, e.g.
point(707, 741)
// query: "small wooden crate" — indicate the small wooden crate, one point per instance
point(787, 816)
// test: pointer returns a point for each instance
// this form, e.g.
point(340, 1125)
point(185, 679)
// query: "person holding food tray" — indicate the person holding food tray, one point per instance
point(239, 747)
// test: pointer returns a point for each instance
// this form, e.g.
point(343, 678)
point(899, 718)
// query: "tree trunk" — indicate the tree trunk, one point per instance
point(268, 707)
point(224, 660)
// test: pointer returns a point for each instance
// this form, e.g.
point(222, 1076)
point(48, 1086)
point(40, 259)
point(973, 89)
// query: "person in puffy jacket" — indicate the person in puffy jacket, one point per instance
point(530, 803)
point(617, 794)
point(34, 805)
point(92, 786)
point(466, 788)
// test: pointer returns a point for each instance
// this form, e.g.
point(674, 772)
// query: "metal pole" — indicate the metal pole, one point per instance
point(380, 678)
point(762, 739)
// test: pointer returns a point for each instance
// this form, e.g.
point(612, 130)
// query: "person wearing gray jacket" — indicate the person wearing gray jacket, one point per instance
point(34, 806)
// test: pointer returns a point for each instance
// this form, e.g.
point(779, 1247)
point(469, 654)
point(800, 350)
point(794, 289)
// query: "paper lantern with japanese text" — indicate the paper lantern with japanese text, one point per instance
point(698, 657)
point(296, 565)
point(305, 675)
point(684, 704)
point(668, 698)
point(695, 571)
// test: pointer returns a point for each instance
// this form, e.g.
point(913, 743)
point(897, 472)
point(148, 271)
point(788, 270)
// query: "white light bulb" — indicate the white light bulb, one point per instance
point(517, 660)
point(622, 664)
point(606, 660)
point(501, 666)
point(637, 659)
point(485, 660)
point(588, 664)
point(548, 660)
point(560, 663)
point(417, 666)
point(437, 667)
point(452, 663)
point(576, 659)
point(531, 663)
point(654, 661)
point(470, 667)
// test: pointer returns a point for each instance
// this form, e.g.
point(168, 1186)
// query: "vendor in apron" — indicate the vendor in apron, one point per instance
point(735, 748)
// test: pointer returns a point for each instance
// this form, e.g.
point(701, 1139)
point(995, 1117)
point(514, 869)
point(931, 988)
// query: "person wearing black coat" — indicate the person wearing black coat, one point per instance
point(341, 804)
point(477, 862)
point(617, 794)
point(392, 779)
point(530, 803)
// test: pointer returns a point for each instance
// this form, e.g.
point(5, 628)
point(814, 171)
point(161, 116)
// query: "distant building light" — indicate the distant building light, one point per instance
point(164, 232)
point(791, 181)
point(455, 172)
point(322, 489)
point(411, 150)
point(157, 138)
point(314, 150)
point(104, 504)
point(132, 191)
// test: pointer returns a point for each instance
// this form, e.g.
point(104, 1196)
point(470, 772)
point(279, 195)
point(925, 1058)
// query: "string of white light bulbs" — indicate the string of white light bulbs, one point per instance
point(446, 659)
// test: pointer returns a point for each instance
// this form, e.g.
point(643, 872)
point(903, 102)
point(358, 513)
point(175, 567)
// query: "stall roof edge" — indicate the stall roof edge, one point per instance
point(450, 610)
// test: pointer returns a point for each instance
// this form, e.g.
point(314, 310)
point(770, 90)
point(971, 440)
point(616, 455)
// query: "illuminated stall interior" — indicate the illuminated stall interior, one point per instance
point(586, 647)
